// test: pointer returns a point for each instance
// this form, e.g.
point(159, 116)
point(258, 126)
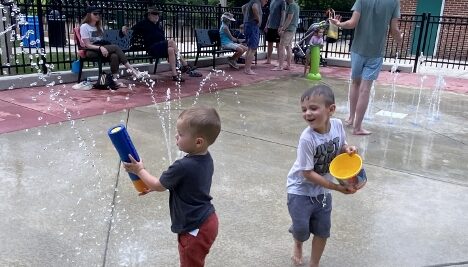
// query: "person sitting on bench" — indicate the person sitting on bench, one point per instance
point(92, 34)
point(157, 46)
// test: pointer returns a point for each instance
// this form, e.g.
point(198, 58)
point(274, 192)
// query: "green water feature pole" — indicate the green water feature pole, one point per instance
point(314, 73)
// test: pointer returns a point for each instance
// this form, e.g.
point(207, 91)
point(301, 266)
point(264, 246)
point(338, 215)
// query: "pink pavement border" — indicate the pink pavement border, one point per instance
point(32, 107)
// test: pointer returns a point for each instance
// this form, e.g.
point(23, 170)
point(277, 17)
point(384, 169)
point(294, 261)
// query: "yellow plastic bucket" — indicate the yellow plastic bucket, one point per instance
point(345, 168)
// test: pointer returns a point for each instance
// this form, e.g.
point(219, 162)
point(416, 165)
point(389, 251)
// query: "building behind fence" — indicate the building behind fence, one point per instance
point(40, 36)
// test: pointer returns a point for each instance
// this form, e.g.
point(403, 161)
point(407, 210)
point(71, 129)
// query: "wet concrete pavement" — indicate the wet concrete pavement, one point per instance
point(66, 201)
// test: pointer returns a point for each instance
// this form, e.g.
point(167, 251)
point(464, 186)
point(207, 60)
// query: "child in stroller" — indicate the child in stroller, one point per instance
point(300, 49)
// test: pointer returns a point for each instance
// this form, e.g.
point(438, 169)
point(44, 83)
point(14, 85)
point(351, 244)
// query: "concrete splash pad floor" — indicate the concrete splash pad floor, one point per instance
point(66, 202)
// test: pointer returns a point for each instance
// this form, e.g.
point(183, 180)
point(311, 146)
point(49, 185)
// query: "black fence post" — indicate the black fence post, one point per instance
point(418, 46)
point(218, 20)
point(40, 16)
point(426, 31)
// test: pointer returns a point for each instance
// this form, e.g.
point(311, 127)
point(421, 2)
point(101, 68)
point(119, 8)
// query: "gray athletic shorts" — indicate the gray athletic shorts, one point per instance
point(310, 215)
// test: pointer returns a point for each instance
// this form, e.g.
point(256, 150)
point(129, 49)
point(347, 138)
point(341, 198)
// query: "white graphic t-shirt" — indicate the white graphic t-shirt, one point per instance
point(89, 32)
point(315, 152)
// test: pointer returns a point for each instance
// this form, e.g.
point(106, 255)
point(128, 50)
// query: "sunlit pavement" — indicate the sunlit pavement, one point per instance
point(66, 201)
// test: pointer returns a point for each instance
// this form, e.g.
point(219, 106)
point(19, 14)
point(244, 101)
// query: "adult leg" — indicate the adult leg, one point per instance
point(353, 99)
point(367, 70)
point(289, 36)
point(114, 66)
point(357, 68)
point(318, 246)
point(114, 63)
point(269, 52)
point(248, 61)
point(288, 57)
point(361, 107)
point(239, 52)
point(171, 58)
point(252, 34)
point(121, 58)
point(173, 44)
point(280, 57)
point(285, 42)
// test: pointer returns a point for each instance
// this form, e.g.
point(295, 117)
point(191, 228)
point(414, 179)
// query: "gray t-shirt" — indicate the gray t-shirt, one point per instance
point(249, 16)
point(292, 8)
point(89, 32)
point(315, 152)
point(372, 29)
point(276, 7)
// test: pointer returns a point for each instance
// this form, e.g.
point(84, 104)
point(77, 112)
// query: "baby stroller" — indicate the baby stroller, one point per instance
point(300, 48)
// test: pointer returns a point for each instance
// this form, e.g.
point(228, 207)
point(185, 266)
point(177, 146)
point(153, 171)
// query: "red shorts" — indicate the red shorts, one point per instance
point(193, 249)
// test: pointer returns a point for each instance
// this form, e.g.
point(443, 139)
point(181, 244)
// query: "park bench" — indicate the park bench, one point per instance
point(128, 43)
point(209, 40)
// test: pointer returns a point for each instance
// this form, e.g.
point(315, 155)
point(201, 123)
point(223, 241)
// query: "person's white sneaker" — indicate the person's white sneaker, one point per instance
point(141, 74)
point(84, 85)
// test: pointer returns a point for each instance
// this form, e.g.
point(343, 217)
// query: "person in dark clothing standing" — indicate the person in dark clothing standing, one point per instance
point(157, 46)
point(189, 180)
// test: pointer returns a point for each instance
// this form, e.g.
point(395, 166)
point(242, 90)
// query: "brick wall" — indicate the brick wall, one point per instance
point(452, 43)
point(456, 8)
point(451, 7)
point(408, 6)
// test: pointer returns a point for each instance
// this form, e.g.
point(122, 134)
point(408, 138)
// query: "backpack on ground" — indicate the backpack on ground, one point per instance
point(106, 81)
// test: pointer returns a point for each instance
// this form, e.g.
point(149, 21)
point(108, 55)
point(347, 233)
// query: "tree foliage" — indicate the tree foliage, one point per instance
point(189, 2)
point(338, 5)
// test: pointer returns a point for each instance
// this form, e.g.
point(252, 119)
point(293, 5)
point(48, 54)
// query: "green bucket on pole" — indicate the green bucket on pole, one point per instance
point(314, 73)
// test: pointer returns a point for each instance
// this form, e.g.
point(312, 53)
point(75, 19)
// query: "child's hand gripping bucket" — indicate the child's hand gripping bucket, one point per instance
point(347, 169)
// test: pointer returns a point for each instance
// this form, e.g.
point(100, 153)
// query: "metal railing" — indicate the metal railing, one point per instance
point(47, 40)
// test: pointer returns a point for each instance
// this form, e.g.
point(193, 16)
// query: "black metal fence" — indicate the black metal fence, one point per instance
point(46, 40)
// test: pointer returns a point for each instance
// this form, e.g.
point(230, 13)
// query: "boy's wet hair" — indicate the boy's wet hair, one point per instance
point(202, 121)
point(320, 90)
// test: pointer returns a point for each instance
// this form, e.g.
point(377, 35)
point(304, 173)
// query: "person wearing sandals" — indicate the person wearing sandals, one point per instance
point(230, 42)
point(92, 35)
point(150, 29)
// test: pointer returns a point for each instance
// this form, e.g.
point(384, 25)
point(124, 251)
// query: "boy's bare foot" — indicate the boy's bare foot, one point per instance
point(296, 258)
point(349, 122)
point(277, 69)
point(250, 72)
point(297, 261)
point(361, 132)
